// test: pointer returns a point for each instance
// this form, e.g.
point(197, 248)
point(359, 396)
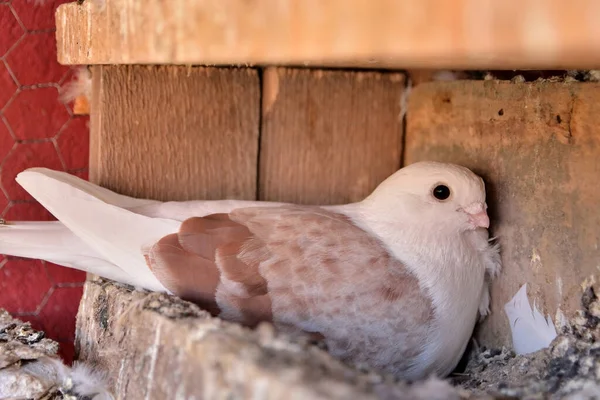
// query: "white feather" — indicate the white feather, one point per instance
point(65, 195)
point(118, 229)
point(96, 191)
point(182, 210)
point(117, 234)
point(81, 381)
point(530, 330)
point(53, 242)
point(174, 210)
point(81, 85)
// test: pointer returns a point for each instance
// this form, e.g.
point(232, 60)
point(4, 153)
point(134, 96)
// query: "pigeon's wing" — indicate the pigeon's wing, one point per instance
point(294, 265)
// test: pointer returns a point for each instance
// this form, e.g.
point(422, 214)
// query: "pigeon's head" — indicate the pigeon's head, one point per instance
point(438, 194)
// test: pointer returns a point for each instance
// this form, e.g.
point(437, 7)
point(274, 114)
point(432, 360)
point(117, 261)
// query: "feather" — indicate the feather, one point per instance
point(297, 266)
point(53, 242)
point(80, 381)
point(89, 188)
point(530, 331)
point(175, 210)
point(366, 276)
point(117, 234)
point(81, 85)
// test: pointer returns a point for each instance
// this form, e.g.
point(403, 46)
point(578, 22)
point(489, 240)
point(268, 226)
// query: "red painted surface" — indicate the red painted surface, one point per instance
point(36, 130)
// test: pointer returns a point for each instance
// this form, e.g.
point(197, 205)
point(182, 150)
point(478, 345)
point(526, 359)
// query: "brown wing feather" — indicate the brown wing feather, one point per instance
point(185, 274)
point(304, 267)
point(325, 274)
point(203, 255)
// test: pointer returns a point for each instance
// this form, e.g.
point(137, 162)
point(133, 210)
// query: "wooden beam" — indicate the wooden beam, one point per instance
point(175, 133)
point(328, 136)
point(466, 34)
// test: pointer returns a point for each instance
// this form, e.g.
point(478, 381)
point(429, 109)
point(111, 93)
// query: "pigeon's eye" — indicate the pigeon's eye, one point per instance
point(441, 192)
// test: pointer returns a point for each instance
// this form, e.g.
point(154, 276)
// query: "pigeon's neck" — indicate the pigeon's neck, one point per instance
point(447, 263)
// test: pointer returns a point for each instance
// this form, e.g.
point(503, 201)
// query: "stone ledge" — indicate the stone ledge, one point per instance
point(156, 346)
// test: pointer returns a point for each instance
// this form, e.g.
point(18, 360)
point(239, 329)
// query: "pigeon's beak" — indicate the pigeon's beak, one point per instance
point(477, 213)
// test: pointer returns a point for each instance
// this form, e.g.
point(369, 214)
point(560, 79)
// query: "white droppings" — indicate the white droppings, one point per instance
point(536, 260)
point(120, 376)
point(560, 321)
point(559, 288)
point(271, 88)
point(404, 99)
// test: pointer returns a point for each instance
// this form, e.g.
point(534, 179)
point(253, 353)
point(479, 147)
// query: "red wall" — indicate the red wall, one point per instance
point(36, 129)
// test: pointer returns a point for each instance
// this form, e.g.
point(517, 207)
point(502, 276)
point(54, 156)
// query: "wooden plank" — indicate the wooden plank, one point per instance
point(328, 136)
point(509, 34)
point(175, 133)
point(537, 146)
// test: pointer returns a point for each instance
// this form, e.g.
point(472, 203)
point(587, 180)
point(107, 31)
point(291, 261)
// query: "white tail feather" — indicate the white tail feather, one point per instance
point(53, 242)
point(182, 210)
point(99, 231)
point(117, 234)
point(530, 330)
point(100, 193)
point(175, 210)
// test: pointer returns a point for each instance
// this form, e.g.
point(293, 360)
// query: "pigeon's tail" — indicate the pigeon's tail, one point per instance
point(93, 221)
point(29, 178)
point(52, 241)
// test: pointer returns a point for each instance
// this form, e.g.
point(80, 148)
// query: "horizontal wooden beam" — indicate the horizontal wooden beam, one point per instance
point(462, 34)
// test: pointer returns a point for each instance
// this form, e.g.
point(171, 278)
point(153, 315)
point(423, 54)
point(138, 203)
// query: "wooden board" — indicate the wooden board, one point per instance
point(328, 136)
point(537, 145)
point(508, 34)
point(175, 133)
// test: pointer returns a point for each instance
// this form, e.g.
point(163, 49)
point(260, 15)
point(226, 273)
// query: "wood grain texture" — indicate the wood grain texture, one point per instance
point(328, 136)
point(509, 34)
point(175, 133)
point(537, 146)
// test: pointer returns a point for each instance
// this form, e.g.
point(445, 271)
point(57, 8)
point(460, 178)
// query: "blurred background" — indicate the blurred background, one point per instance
point(37, 129)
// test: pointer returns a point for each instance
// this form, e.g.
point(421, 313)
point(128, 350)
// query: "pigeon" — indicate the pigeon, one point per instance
point(395, 282)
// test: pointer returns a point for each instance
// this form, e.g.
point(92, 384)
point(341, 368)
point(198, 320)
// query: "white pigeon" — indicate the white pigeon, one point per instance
point(395, 281)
